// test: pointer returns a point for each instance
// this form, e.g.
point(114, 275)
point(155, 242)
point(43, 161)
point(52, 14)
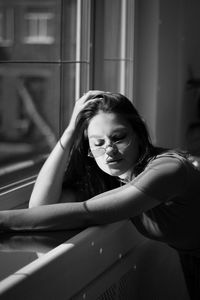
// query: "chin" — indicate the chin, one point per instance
point(122, 170)
point(115, 172)
point(126, 175)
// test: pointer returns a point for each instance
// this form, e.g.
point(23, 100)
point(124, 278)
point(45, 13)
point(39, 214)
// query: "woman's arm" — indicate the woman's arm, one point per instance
point(48, 186)
point(166, 177)
point(121, 203)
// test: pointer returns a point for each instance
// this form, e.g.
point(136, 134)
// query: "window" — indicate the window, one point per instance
point(114, 33)
point(39, 28)
point(61, 48)
point(6, 26)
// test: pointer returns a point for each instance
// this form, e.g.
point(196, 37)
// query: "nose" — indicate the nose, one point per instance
point(111, 150)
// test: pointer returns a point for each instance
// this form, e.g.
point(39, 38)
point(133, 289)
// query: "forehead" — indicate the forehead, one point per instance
point(107, 123)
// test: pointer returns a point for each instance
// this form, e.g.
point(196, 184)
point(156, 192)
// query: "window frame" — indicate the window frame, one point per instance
point(87, 67)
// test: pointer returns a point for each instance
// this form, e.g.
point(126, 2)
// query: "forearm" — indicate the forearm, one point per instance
point(61, 216)
point(48, 186)
point(121, 203)
point(48, 217)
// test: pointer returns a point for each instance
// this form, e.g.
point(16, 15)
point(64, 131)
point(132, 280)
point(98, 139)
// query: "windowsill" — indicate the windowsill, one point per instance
point(99, 260)
point(80, 260)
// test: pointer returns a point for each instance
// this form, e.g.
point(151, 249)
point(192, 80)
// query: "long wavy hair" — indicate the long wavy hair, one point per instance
point(82, 172)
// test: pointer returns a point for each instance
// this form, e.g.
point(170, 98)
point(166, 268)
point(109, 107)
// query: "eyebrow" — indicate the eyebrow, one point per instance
point(95, 136)
point(114, 132)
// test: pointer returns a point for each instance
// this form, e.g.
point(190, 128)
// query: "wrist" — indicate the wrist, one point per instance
point(66, 138)
point(68, 133)
point(70, 129)
point(61, 145)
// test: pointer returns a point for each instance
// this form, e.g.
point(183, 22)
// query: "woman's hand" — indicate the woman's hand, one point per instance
point(80, 105)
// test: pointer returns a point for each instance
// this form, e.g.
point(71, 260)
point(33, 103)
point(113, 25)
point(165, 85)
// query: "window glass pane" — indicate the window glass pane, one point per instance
point(114, 32)
point(76, 58)
point(6, 26)
point(69, 30)
point(76, 30)
point(39, 27)
point(29, 114)
point(111, 78)
point(75, 76)
point(30, 30)
point(68, 92)
point(44, 67)
point(112, 75)
point(112, 29)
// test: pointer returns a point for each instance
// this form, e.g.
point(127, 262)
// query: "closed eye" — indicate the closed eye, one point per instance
point(99, 143)
point(119, 139)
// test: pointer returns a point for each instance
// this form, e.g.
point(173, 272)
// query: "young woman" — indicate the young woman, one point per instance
point(105, 169)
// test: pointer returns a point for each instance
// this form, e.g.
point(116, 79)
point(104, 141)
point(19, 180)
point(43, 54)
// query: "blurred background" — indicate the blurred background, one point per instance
point(52, 51)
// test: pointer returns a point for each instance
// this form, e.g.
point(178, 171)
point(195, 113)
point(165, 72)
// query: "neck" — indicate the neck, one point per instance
point(126, 177)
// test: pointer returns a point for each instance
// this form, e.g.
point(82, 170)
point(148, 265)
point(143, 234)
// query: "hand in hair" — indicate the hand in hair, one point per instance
point(80, 104)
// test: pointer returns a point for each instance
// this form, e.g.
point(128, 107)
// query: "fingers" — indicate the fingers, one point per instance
point(81, 103)
point(91, 95)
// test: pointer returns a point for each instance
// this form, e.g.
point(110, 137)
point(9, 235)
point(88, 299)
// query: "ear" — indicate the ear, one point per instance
point(90, 154)
point(85, 134)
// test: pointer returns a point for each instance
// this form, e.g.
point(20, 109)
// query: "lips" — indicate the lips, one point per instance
point(113, 161)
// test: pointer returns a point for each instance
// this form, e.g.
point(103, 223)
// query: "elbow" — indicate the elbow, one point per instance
point(39, 199)
point(31, 205)
point(35, 202)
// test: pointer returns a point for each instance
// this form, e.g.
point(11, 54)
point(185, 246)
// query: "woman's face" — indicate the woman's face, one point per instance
point(115, 135)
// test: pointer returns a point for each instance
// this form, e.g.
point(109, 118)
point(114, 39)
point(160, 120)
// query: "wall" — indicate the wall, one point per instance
point(146, 61)
point(171, 70)
point(192, 70)
point(192, 25)
point(167, 45)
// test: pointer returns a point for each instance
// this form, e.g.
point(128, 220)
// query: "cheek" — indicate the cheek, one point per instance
point(100, 162)
point(131, 154)
point(102, 165)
